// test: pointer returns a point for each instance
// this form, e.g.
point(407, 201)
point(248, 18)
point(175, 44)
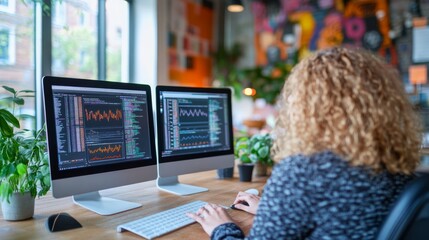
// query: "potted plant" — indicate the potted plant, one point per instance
point(242, 153)
point(24, 171)
point(254, 151)
point(261, 149)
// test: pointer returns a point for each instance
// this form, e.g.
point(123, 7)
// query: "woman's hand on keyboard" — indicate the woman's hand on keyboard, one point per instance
point(251, 200)
point(210, 216)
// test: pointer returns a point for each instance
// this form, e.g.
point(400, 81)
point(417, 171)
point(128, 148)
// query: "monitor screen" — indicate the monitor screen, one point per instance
point(98, 127)
point(194, 134)
point(194, 123)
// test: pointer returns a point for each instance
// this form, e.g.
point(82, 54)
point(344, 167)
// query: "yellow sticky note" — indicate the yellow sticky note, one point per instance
point(418, 74)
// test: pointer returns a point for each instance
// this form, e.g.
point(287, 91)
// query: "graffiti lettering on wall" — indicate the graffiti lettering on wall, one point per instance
point(286, 28)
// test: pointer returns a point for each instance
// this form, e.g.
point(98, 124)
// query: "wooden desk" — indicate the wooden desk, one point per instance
point(104, 227)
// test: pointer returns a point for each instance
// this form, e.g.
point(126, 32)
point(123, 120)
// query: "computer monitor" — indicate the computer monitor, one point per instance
point(100, 135)
point(194, 134)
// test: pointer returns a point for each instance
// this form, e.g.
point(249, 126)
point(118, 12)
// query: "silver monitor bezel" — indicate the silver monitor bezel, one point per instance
point(184, 164)
point(78, 181)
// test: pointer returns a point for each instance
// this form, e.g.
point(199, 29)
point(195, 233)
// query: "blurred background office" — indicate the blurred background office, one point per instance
point(248, 45)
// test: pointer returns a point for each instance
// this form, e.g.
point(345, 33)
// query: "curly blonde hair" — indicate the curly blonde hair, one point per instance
point(352, 103)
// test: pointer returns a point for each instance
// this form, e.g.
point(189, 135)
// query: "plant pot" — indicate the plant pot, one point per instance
point(245, 171)
point(260, 170)
point(20, 207)
point(224, 173)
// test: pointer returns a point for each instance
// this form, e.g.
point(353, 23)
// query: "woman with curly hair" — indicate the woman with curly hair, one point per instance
point(348, 140)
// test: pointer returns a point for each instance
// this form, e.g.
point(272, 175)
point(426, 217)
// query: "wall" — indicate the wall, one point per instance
point(200, 75)
point(162, 58)
point(239, 27)
point(400, 11)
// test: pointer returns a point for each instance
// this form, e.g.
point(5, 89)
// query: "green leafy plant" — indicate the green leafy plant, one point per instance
point(226, 71)
point(23, 158)
point(266, 80)
point(254, 149)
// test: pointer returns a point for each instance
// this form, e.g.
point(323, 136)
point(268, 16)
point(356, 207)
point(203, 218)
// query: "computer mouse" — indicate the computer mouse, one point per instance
point(61, 222)
point(244, 203)
point(253, 191)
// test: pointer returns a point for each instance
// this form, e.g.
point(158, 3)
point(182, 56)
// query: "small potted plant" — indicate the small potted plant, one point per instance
point(24, 171)
point(261, 150)
point(253, 151)
point(242, 153)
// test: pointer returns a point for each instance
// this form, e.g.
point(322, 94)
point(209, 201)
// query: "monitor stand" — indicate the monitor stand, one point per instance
point(172, 185)
point(103, 205)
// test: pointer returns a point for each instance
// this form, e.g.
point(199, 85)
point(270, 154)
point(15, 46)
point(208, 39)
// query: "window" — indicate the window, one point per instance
point(117, 40)
point(59, 14)
point(4, 3)
point(7, 45)
point(82, 60)
point(84, 19)
point(4, 45)
point(78, 49)
point(7, 6)
point(17, 51)
point(76, 38)
point(74, 49)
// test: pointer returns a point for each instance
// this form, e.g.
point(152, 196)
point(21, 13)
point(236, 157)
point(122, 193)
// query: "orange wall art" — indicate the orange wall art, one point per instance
point(190, 34)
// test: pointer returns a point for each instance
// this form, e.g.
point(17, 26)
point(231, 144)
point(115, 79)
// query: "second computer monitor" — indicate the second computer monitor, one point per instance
point(194, 134)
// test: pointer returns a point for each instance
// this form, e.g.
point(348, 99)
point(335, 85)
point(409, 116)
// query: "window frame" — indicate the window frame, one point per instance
point(10, 8)
point(43, 48)
point(11, 46)
point(59, 16)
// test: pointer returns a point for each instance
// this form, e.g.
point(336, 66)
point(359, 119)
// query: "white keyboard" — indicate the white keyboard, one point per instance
point(163, 222)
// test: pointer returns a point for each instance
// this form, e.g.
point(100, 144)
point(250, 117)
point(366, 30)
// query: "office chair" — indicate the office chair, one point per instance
point(409, 216)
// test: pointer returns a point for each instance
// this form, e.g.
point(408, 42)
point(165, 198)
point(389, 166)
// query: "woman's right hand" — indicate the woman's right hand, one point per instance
point(251, 199)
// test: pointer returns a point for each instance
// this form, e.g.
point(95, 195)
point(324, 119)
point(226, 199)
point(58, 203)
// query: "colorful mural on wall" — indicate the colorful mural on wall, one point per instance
point(291, 29)
point(190, 35)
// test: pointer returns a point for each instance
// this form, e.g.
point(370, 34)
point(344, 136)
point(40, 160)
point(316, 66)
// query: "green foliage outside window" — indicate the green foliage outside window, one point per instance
point(68, 46)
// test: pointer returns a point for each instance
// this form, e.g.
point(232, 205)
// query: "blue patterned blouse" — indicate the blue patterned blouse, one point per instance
point(320, 197)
